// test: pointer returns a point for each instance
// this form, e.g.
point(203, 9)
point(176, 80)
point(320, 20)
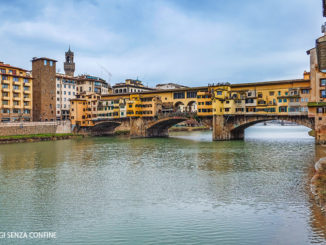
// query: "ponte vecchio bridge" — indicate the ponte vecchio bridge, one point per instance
point(228, 109)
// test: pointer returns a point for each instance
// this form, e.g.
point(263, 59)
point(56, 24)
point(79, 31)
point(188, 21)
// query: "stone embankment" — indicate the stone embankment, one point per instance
point(36, 138)
point(29, 128)
point(318, 183)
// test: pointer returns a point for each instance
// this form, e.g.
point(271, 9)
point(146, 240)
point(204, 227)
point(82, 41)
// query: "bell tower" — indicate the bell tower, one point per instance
point(69, 65)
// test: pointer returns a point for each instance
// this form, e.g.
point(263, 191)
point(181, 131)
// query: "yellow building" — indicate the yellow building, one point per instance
point(83, 110)
point(144, 106)
point(279, 98)
point(204, 104)
point(16, 94)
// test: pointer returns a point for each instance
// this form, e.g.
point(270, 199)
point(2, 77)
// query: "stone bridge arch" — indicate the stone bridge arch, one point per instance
point(147, 127)
point(104, 127)
point(232, 127)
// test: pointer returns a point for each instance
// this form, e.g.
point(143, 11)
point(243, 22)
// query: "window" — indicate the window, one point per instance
point(51, 63)
point(323, 82)
point(279, 93)
point(280, 101)
point(179, 95)
point(271, 93)
point(323, 93)
point(285, 100)
point(191, 94)
point(16, 87)
point(15, 79)
point(305, 91)
point(45, 62)
point(220, 93)
point(5, 86)
point(26, 80)
point(4, 77)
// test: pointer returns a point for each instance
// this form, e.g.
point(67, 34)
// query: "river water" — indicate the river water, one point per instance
point(179, 190)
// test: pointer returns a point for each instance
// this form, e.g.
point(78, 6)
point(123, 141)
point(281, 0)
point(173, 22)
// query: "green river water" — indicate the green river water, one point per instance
point(184, 189)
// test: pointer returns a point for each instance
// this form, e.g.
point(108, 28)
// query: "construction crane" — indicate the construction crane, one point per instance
point(107, 72)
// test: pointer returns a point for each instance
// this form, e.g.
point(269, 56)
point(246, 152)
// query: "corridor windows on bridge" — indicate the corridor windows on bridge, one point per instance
point(179, 95)
point(323, 82)
point(191, 94)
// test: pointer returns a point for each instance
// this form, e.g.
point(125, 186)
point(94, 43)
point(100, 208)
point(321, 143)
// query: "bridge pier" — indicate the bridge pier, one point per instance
point(222, 130)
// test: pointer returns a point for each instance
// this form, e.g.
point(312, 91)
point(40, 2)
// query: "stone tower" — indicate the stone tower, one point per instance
point(69, 64)
point(44, 85)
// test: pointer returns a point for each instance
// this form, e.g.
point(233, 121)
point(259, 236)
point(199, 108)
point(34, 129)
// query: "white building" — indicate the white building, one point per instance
point(66, 89)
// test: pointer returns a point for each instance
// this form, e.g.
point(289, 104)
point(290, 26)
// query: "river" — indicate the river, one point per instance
point(184, 189)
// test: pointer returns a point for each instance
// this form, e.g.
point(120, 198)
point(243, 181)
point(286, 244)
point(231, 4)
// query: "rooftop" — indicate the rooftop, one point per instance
point(43, 58)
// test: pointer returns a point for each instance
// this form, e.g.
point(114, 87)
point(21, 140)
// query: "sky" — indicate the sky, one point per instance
point(190, 42)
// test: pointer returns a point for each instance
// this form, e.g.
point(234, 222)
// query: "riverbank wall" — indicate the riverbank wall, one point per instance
point(34, 128)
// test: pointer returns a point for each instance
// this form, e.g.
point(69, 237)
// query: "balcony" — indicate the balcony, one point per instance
point(17, 98)
point(5, 81)
point(27, 91)
point(17, 83)
point(5, 89)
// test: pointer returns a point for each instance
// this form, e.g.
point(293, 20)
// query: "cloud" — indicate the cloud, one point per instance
point(166, 41)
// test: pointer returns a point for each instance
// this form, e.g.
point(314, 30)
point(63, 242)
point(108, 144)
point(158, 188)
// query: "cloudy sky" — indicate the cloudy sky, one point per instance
point(191, 42)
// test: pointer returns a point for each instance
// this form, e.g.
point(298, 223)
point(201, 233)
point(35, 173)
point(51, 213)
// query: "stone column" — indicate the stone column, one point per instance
point(137, 127)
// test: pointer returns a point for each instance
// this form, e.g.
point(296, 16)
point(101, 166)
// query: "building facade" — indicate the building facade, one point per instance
point(16, 94)
point(44, 89)
point(83, 110)
point(66, 89)
point(130, 86)
point(91, 84)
